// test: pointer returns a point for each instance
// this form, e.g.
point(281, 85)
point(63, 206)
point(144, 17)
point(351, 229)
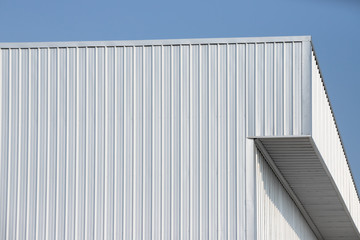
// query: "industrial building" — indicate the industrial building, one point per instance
point(171, 139)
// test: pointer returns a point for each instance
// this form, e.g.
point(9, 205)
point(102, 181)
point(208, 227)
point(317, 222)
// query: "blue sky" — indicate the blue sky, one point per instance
point(333, 24)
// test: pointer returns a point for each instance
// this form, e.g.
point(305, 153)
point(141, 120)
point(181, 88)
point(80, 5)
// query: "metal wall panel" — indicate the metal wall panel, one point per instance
point(327, 138)
point(140, 141)
point(277, 215)
point(274, 77)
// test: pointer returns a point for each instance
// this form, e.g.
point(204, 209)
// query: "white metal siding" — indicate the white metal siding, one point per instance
point(145, 141)
point(327, 139)
point(278, 218)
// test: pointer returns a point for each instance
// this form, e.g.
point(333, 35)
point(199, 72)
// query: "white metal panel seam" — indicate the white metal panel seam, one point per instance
point(250, 194)
point(10, 152)
point(19, 146)
point(29, 150)
point(3, 161)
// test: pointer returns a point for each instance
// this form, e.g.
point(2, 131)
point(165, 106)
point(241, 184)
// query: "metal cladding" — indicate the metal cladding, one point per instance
point(278, 216)
point(151, 139)
point(327, 138)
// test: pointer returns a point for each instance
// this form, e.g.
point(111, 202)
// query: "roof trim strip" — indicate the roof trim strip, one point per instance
point(156, 42)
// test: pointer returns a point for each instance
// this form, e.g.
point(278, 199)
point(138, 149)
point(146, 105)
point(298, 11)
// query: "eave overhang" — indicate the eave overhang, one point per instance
point(302, 171)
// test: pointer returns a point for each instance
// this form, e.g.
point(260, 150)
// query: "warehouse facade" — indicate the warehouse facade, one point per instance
point(171, 139)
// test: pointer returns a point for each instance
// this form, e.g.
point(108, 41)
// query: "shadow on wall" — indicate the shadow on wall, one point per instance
point(278, 217)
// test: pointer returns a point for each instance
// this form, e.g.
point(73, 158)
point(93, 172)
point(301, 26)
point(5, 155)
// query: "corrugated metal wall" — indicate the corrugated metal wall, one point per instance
point(330, 146)
point(278, 218)
point(130, 142)
point(275, 76)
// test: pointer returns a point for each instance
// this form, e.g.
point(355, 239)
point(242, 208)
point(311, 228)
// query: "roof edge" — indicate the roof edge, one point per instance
point(333, 114)
point(155, 42)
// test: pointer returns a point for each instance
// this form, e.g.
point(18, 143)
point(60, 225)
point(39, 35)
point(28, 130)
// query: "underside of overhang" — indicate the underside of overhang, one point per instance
point(300, 168)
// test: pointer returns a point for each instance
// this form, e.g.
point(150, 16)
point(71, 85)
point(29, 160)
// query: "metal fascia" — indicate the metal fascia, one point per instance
point(155, 42)
point(306, 91)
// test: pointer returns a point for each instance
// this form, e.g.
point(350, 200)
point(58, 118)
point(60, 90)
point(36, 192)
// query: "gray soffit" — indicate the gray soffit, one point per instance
point(300, 167)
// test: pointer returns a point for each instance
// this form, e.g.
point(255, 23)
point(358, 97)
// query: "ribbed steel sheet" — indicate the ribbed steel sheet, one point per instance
point(327, 138)
point(143, 139)
point(277, 215)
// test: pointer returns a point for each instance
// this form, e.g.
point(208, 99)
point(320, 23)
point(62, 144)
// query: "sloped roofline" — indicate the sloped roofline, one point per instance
point(333, 115)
